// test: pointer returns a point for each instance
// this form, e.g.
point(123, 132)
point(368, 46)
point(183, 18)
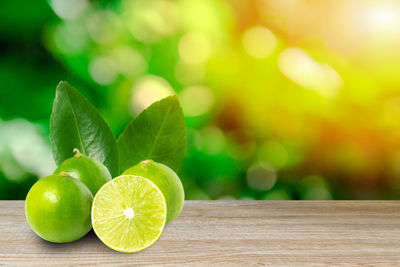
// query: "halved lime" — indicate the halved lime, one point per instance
point(129, 213)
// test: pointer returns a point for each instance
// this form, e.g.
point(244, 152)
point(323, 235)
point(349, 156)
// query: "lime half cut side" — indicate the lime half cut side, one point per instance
point(129, 213)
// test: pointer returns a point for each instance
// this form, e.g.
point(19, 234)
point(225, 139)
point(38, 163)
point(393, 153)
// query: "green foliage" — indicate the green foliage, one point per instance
point(158, 133)
point(75, 123)
point(23, 20)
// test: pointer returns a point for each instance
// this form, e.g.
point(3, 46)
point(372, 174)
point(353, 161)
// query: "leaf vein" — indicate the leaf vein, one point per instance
point(159, 132)
point(76, 122)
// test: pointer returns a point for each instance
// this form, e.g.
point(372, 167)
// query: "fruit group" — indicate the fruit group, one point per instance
point(165, 179)
point(129, 213)
point(57, 208)
point(89, 171)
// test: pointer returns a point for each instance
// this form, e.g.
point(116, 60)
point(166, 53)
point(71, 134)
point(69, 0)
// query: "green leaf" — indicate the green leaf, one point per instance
point(158, 133)
point(75, 123)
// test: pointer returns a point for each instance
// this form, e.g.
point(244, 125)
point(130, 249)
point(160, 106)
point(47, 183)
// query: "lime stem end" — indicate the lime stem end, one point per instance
point(77, 153)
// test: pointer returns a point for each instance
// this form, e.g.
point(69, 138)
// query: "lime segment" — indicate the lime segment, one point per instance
point(129, 213)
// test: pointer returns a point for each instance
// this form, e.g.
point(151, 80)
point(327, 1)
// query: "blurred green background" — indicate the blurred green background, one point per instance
point(293, 99)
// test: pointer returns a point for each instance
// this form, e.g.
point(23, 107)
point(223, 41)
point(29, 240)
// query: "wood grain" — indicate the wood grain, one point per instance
point(232, 233)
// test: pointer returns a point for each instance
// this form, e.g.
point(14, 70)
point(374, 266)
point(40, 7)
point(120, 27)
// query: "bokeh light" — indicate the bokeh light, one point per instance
point(298, 66)
point(103, 70)
point(196, 100)
point(24, 151)
point(69, 9)
point(148, 90)
point(194, 48)
point(104, 27)
point(261, 176)
point(259, 42)
point(130, 62)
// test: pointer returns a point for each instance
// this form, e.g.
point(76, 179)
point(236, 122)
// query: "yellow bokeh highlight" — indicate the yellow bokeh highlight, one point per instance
point(302, 69)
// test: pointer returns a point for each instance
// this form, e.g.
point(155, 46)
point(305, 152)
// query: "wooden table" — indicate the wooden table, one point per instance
point(232, 233)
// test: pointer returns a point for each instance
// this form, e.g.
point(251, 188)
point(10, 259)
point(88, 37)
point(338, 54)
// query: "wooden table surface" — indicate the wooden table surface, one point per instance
point(232, 233)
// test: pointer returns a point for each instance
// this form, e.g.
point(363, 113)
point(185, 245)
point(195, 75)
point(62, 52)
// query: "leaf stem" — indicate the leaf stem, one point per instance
point(77, 153)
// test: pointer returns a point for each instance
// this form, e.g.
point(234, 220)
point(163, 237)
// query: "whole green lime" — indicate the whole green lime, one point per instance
point(58, 207)
point(89, 171)
point(165, 179)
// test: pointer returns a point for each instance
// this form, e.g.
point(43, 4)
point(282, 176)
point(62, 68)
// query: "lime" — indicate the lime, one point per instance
point(89, 171)
point(165, 179)
point(57, 208)
point(129, 213)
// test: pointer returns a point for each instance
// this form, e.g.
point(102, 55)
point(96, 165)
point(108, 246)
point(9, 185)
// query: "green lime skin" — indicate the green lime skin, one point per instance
point(89, 171)
point(58, 208)
point(166, 180)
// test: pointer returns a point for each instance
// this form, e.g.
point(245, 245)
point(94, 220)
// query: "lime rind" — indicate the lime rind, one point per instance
point(129, 213)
